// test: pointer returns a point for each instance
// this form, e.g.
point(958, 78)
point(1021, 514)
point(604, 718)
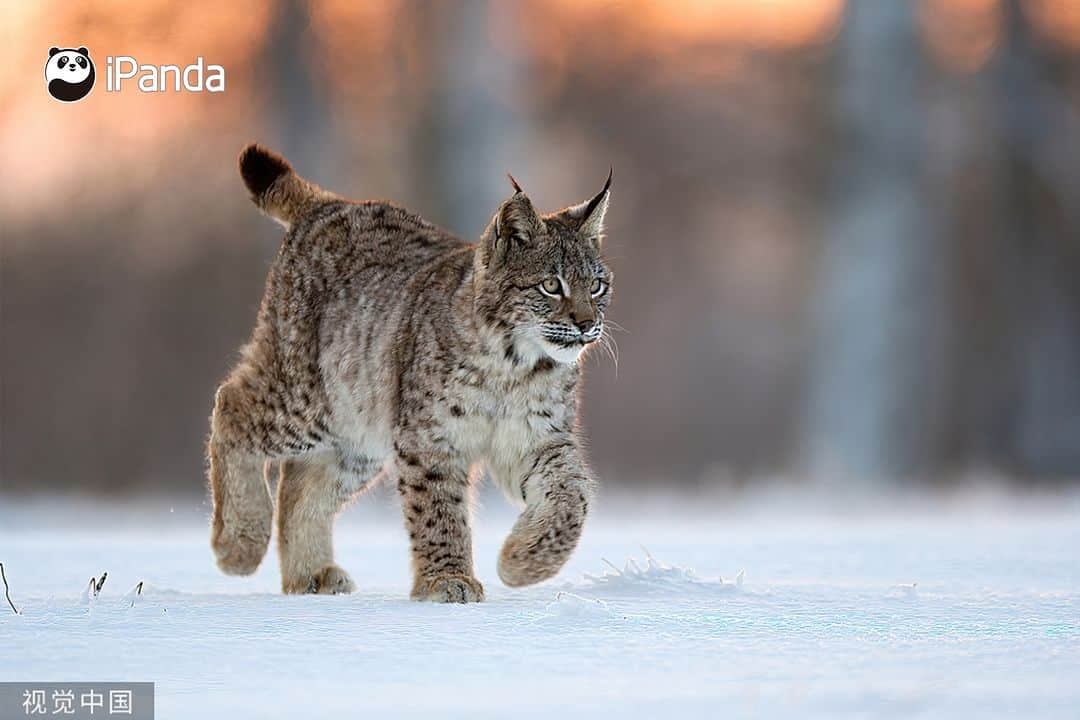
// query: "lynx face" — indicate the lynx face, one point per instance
point(544, 278)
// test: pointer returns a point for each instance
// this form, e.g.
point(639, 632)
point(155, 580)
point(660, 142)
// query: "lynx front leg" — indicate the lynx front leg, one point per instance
point(557, 488)
point(436, 505)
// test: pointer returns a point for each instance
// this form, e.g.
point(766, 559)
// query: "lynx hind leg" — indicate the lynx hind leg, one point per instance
point(243, 511)
point(311, 492)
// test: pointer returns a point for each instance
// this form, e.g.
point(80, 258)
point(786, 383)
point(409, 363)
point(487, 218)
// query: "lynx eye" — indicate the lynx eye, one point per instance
point(552, 286)
point(598, 287)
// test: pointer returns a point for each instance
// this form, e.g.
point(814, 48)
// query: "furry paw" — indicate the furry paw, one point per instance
point(331, 580)
point(448, 589)
point(239, 553)
point(521, 564)
point(541, 541)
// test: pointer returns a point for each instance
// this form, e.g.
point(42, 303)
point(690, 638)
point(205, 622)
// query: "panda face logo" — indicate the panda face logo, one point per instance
point(69, 73)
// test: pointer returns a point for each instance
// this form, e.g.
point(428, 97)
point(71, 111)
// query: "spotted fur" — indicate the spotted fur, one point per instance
point(386, 346)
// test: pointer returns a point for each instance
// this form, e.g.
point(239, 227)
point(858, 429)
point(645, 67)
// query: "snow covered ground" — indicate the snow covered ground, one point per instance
point(928, 609)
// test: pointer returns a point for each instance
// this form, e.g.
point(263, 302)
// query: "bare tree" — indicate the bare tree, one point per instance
point(872, 393)
point(467, 135)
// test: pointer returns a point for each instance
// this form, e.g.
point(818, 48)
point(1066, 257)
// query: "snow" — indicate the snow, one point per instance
point(747, 609)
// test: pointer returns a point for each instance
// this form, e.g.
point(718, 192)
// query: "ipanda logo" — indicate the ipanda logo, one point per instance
point(69, 75)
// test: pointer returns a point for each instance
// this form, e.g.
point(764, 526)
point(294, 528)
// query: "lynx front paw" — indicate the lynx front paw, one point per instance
point(541, 541)
point(448, 589)
point(521, 563)
point(331, 580)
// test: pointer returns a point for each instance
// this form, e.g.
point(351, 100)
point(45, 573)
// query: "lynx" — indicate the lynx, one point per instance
point(386, 347)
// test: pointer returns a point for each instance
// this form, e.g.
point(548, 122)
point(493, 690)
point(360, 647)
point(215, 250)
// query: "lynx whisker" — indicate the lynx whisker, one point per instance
point(615, 326)
point(611, 348)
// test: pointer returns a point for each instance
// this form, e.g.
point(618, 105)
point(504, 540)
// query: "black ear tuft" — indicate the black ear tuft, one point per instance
point(600, 197)
point(83, 51)
point(590, 215)
point(517, 188)
point(53, 51)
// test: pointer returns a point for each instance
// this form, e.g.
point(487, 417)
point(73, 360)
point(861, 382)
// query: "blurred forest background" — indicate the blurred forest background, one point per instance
point(846, 234)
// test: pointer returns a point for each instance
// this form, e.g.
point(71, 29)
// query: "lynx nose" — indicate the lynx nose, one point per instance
point(584, 326)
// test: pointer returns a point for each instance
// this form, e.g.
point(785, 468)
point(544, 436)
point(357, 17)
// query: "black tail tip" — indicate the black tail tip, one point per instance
point(261, 167)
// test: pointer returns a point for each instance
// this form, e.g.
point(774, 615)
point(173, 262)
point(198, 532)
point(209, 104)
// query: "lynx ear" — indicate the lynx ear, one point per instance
point(590, 215)
point(517, 222)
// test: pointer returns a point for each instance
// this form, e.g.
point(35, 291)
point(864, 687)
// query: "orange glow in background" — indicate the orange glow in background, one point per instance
point(366, 55)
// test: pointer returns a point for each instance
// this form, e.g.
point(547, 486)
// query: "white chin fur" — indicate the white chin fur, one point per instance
point(562, 354)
